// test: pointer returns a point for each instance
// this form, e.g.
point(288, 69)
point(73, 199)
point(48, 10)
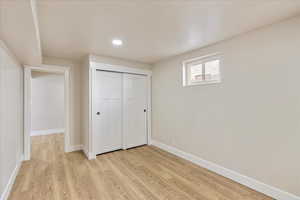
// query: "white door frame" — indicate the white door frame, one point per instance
point(94, 66)
point(27, 103)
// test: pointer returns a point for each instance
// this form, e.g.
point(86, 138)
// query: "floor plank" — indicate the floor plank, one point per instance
point(143, 173)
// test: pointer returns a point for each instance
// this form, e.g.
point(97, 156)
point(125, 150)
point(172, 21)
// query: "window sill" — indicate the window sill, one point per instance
point(202, 83)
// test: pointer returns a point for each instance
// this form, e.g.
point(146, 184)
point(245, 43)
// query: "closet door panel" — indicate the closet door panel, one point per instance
point(108, 111)
point(134, 110)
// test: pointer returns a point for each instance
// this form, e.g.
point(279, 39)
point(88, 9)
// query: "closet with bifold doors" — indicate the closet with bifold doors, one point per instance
point(119, 110)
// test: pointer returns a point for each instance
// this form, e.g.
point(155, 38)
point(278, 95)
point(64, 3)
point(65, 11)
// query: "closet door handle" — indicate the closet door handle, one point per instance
point(98, 113)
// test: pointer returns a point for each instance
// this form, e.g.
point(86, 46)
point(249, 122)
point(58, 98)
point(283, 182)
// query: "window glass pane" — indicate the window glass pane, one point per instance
point(212, 70)
point(196, 72)
point(202, 70)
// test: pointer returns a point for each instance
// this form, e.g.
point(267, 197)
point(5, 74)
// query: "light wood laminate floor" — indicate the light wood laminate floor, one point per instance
point(136, 174)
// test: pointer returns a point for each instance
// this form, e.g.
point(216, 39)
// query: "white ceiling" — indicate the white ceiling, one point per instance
point(18, 29)
point(150, 29)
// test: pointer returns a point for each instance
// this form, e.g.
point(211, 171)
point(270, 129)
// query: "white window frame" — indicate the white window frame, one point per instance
point(200, 60)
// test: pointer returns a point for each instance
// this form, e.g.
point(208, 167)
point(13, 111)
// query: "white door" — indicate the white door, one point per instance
point(108, 111)
point(134, 110)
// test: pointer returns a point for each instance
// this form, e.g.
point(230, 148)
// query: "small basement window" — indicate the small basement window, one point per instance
point(203, 70)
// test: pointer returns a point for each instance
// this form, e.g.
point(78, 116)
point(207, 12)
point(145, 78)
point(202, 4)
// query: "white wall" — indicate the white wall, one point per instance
point(250, 123)
point(75, 136)
point(84, 100)
point(47, 97)
point(11, 116)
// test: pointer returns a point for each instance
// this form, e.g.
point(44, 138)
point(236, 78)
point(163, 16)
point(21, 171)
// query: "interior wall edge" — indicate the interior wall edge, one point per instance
point(11, 103)
point(11, 182)
point(33, 5)
point(9, 52)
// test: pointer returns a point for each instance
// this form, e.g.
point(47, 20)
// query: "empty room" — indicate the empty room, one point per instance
point(149, 100)
point(47, 114)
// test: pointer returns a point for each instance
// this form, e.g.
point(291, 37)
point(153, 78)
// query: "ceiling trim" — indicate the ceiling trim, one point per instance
point(33, 5)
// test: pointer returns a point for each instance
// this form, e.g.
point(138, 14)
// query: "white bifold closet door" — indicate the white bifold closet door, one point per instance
point(134, 110)
point(108, 111)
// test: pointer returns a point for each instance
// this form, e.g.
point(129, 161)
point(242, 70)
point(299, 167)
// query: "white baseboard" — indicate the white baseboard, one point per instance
point(11, 181)
point(76, 147)
point(242, 179)
point(88, 154)
point(47, 132)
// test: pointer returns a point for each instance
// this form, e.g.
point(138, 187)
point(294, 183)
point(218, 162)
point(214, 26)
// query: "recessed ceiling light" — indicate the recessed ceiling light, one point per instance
point(117, 42)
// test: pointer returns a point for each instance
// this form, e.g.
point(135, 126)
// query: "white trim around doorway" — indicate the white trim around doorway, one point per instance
point(27, 104)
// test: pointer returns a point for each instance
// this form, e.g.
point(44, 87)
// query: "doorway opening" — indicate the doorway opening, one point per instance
point(47, 110)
